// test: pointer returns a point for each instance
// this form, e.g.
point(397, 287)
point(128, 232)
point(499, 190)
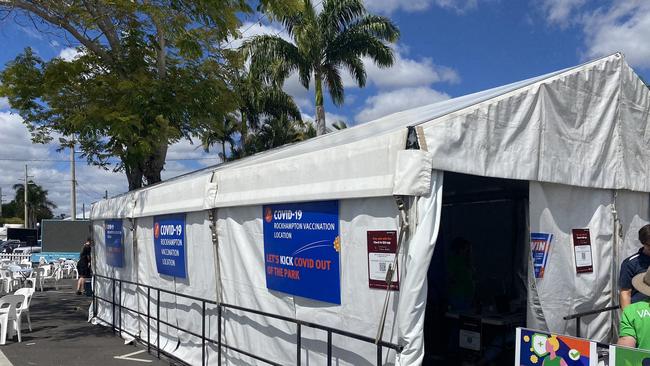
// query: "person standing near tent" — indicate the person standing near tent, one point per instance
point(635, 320)
point(84, 266)
point(632, 266)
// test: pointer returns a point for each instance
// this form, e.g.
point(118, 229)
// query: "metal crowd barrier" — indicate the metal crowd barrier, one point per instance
point(579, 316)
point(221, 308)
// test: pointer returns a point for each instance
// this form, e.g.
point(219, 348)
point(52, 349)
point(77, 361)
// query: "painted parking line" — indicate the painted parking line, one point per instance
point(4, 361)
point(128, 357)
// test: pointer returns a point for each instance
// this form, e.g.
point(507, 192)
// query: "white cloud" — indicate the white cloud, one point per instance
point(560, 11)
point(54, 176)
point(69, 54)
point(390, 6)
point(406, 72)
point(625, 27)
point(4, 103)
point(386, 103)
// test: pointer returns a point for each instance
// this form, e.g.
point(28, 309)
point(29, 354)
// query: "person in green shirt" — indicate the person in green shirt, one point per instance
point(635, 320)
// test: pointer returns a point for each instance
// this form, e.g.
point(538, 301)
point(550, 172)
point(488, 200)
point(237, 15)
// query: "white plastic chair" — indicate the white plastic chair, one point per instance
point(54, 276)
point(5, 280)
point(70, 268)
point(24, 309)
point(9, 316)
point(36, 279)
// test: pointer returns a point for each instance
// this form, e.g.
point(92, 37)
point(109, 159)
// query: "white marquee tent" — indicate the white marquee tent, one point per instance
point(579, 136)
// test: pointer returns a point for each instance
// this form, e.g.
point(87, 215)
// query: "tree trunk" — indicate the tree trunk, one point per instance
point(133, 176)
point(320, 110)
point(243, 129)
point(155, 164)
point(223, 151)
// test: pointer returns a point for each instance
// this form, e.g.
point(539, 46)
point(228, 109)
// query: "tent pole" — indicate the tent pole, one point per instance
point(404, 225)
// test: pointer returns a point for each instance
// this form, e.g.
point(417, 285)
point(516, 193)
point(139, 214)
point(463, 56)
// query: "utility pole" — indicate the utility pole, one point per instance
point(26, 197)
point(73, 190)
point(0, 201)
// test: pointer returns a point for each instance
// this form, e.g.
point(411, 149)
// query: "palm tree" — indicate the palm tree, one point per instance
point(324, 43)
point(222, 133)
point(259, 101)
point(276, 132)
point(38, 205)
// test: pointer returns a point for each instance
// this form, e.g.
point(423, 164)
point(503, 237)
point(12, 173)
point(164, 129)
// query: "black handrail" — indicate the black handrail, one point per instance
point(220, 309)
point(578, 316)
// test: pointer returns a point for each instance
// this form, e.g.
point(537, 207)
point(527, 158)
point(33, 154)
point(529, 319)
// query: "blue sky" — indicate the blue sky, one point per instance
point(448, 48)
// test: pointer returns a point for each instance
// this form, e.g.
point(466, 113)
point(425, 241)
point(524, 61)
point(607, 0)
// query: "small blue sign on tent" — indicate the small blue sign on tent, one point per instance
point(301, 249)
point(169, 244)
point(114, 244)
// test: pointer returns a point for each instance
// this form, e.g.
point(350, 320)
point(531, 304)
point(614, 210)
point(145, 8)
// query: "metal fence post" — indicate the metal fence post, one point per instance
point(119, 308)
point(148, 319)
point(158, 325)
point(298, 344)
point(113, 307)
point(379, 357)
point(203, 334)
point(219, 335)
point(329, 348)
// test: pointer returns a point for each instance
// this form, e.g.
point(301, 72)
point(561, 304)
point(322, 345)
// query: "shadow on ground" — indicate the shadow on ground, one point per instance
point(61, 334)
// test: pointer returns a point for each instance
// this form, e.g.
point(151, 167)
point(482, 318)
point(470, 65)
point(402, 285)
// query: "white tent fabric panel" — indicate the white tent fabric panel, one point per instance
point(177, 195)
point(634, 212)
point(361, 169)
point(413, 295)
point(557, 209)
point(634, 126)
point(114, 208)
point(361, 306)
point(200, 283)
point(562, 129)
point(243, 283)
point(148, 275)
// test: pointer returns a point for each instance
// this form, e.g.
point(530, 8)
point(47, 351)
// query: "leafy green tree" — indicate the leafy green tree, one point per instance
point(148, 74)
point(324, 43)
point(39, 206)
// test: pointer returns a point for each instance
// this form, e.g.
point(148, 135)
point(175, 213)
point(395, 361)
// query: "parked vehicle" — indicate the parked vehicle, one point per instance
point(8, 246)
point(24, 248)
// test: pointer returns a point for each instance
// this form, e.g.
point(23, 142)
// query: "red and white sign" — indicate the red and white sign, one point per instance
point(382, 248)
point(582, 250)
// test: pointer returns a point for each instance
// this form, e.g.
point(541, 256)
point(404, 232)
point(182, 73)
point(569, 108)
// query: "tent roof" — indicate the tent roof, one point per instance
point(547, 128)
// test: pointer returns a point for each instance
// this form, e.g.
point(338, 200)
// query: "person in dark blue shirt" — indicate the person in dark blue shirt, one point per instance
point(631, 266)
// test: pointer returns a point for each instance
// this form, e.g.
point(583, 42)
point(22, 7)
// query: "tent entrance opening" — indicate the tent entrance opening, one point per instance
point(477, 276)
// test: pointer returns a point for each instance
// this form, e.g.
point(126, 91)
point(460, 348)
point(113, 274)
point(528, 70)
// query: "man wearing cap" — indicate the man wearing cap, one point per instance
point(632, 266)
point(635, 320)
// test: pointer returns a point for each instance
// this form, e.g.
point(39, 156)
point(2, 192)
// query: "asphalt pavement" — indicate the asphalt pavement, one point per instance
point(61, 335)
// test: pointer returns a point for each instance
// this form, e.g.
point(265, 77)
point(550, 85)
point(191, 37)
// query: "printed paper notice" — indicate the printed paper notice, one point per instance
point(583, 256)
point(382, 246)
point(582, 250)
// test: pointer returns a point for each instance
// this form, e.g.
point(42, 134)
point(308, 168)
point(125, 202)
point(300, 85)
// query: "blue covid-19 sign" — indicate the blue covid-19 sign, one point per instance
point(114, 244)
point(301, 249)
point(169, 244)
